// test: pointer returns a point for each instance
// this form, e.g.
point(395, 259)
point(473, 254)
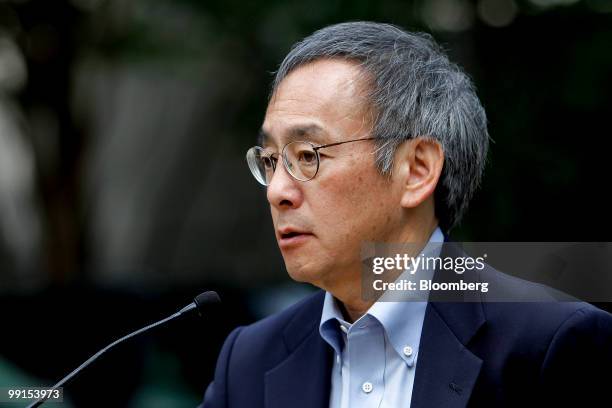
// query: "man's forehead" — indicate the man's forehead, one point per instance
point(324, 75)
point(312, 101)
point(306, 131)
point(318, 84)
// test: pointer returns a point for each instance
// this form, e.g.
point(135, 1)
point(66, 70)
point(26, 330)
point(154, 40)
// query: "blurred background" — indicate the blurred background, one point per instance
point(124, 191)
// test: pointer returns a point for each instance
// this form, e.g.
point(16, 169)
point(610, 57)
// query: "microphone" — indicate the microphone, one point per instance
point(200, 302)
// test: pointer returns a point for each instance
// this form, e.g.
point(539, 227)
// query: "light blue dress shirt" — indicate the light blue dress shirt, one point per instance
point(375, 357)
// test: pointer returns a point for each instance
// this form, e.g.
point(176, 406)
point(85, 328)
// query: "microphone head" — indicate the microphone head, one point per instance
point(206, 299)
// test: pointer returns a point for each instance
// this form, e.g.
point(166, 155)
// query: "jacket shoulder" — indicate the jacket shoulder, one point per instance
point(305, 311)
point(537, 322)
point(250, 351)
point(271, 338)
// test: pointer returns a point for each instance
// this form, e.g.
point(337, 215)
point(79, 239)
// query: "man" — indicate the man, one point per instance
point(372, 135)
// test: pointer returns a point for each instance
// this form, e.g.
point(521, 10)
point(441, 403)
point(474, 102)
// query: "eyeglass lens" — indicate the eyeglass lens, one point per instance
point(299, 158)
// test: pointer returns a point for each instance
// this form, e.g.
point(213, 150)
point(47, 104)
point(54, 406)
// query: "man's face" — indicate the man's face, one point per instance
point(320, 224)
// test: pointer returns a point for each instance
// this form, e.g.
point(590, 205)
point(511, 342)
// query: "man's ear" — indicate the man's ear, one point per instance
point(418, 165)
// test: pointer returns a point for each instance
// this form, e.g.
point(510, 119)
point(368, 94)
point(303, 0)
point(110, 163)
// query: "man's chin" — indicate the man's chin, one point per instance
point(304, 274)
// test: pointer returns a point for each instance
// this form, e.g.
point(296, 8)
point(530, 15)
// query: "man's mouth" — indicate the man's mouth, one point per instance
point(290, 234)
point(290, 238)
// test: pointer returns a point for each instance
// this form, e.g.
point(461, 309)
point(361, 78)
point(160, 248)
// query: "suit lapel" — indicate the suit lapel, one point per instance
point(303, 379)
point(446, 370)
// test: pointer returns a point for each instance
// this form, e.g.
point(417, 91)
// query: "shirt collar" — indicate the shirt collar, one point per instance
point(331, 319)
point(402, 321)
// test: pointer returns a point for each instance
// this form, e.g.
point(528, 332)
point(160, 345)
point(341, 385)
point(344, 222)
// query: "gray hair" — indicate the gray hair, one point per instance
point(414, 90)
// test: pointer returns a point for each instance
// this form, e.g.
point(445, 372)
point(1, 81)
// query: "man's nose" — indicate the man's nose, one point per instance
point(284, 191)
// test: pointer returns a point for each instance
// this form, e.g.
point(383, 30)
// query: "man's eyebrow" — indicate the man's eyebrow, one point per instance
point(310, 133)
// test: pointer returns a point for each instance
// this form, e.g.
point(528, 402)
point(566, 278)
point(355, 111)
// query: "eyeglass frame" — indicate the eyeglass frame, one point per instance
point(314, 148)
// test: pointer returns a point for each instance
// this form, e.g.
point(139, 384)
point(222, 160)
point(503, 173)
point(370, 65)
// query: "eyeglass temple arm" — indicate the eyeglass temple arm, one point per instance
point(339, 143)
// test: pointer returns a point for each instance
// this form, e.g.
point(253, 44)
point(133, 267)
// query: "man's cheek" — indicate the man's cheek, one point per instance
point(274, 214)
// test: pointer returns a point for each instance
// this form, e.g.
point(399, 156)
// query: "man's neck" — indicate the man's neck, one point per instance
point(351, 315)
point(348, 294)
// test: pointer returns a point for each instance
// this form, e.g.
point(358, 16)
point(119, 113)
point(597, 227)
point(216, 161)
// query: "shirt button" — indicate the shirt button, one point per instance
point(367, 387)
point(344, 329)
point(407, 351)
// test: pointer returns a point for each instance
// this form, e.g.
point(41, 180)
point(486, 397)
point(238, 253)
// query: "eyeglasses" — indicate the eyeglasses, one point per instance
point(301, 160)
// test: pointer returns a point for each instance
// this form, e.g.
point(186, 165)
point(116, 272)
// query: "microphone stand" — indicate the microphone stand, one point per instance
point(200, 301)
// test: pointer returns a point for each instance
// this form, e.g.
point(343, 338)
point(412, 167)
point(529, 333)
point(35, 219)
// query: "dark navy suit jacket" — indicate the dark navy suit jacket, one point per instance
point(472, 354)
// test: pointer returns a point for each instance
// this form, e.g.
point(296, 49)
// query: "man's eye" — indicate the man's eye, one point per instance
point(307, 157)
point(269, 162)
